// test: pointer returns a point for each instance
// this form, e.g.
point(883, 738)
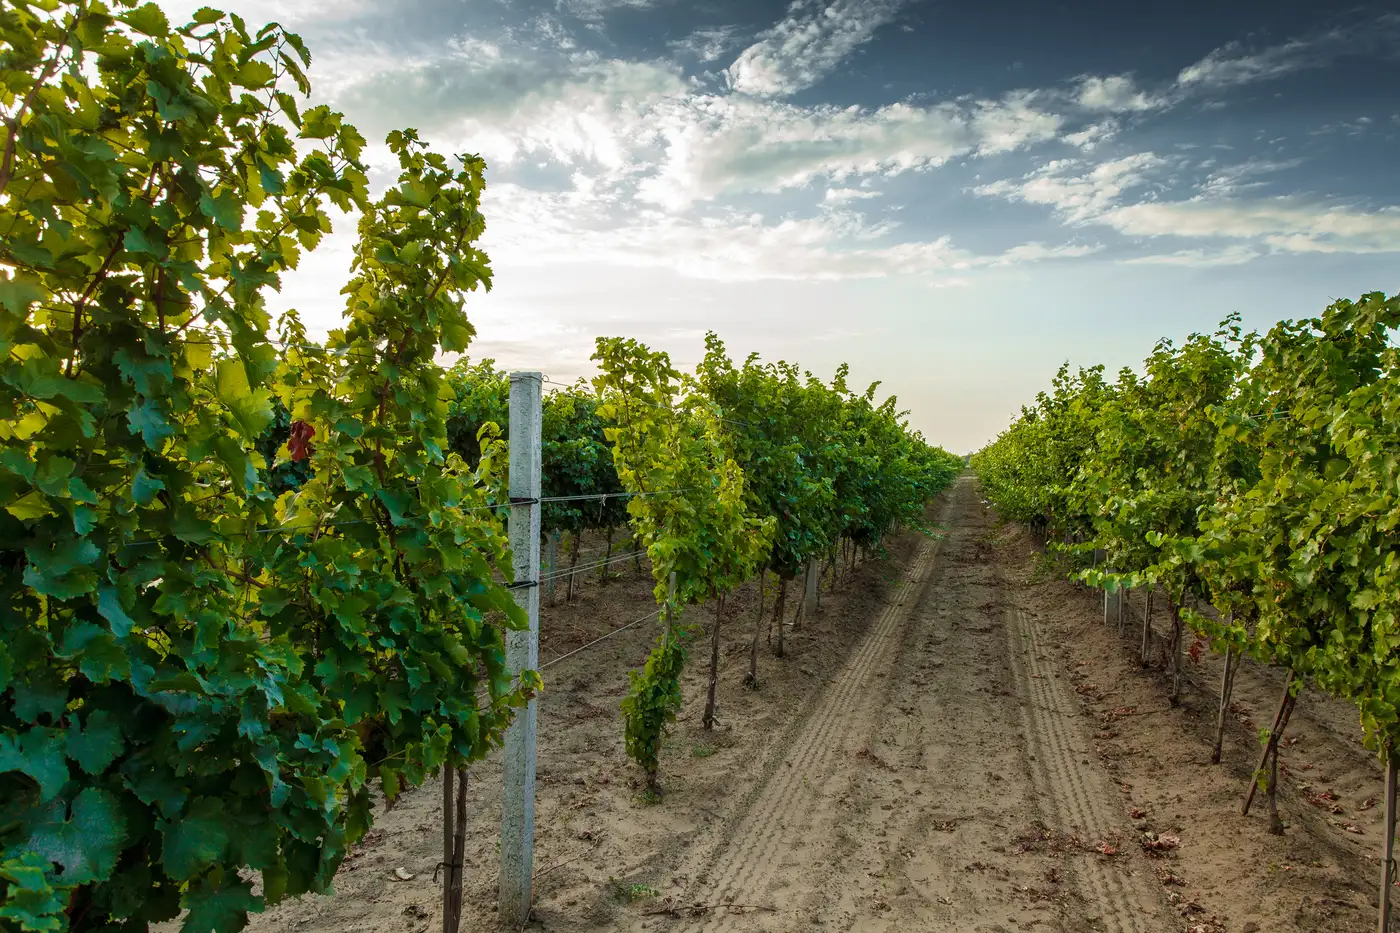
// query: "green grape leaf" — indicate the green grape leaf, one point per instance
point(218, 908)
point(109, 606)
point(144, 486)
point(30, 901)
point(252, 411)
point(37, 753)
point(95, 744)
point(85, 840)
point(147, 18)
point(194, 840)
point(147, 420)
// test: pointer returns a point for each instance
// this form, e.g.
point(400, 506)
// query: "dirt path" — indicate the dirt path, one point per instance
point(955, 743)
point(940, 782)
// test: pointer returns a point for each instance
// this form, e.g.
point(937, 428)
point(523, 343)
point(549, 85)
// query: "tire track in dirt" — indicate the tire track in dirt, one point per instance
point(773, 820)
point(929, 823)
point(1077, 793)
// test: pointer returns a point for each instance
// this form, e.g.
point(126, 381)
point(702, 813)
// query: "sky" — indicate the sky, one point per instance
point(954, 198)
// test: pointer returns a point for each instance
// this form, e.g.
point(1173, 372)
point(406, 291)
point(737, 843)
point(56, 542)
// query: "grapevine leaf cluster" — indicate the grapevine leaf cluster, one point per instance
point(1255, 473)
point(740, 469)
point(205, 664)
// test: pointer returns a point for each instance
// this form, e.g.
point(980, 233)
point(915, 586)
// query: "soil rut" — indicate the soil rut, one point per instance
point(940, 782)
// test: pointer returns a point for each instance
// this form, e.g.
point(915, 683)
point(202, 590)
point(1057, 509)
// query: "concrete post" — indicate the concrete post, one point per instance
point(522, 651)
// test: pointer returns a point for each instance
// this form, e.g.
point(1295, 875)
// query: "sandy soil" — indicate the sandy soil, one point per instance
point(955, 743)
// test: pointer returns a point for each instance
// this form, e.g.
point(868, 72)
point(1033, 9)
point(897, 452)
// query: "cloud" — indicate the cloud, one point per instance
point(538, 229)
point(1039, 252)
point(507, 102)
point(1233, 179)
point(664, 138)
point(706, 45)
point(1228, 65)
point(1291, 224)
point(596, 9)
point(1084, 194)
point(802, 48)
point(718, 144)
point(1231, 65)
point(1092, 135)
point(301, 13)
point(840, 195)
point(1228, 256)
point(1076, 190)
point(1115, 94)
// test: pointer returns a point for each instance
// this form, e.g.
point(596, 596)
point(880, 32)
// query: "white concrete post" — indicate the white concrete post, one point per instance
point(522, 651)
point(809, 604)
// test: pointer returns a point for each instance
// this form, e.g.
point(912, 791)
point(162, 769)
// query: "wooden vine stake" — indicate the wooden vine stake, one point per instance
point(1178, 632)
point(1227, 686)
point(576, 539)
point(551, 565)
point(708, 721)
point(454, 844)
point(752, 679)
point(603, 576)
point(670, 609)
point(448, 837)
point(1392, 765)
point(1268, 758)
point(1147, 627)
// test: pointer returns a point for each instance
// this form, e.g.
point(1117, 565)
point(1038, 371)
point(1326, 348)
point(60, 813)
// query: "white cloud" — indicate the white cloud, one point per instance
point(1039, 252)
point(718, 144)
point(840, 195)
point(706, 45)
point(1231, 65)
point(652, 127)
point(1092, 135)
point(1084, 194)
point(801, 49)
point(1233, 179)
point(1286, 224)
point(1075, 190)
point(503, 104)
point(1228, 256)
point(1115, 94)
point(293, 15)
point(596, 9)
point(536, 229)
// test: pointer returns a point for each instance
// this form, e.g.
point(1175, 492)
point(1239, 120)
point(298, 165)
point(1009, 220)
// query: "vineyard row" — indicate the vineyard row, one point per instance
point(1250, 482)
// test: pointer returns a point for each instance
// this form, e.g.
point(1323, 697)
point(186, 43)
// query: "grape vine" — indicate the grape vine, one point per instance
point(202, 670)
point(1253, 472)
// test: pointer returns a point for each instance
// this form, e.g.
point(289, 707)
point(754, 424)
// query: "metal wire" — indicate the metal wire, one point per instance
point(596, 565)
point(604, 638)
point(597, 641)
point(593, 497)
point(481, 508)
